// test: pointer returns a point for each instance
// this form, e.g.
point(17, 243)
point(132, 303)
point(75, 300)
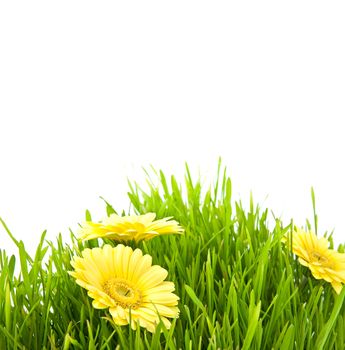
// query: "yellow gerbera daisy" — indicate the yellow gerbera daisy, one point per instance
point(125, 281)
point(324, 263)
point(125, 228)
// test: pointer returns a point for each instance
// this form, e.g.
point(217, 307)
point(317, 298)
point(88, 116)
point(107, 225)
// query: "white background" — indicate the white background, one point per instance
point(92, 91)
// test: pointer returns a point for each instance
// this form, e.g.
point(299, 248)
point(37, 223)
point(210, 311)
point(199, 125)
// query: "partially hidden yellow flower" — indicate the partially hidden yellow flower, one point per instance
point(324, 263)
point(125, 281)
point(125, 228)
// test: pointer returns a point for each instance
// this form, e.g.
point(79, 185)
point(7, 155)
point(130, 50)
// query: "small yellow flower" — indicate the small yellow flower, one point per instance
point(324, 263)
point(125, 228)
point(125, 281)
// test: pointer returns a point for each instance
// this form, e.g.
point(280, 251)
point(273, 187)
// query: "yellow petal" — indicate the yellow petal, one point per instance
point(151, 278)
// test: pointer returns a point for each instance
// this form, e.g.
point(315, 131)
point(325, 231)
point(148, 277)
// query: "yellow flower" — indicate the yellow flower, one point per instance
point(125, 228)
point(125, 281)
point(324, 263)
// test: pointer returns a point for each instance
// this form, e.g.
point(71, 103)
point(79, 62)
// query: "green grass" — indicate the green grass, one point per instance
point(239, 287)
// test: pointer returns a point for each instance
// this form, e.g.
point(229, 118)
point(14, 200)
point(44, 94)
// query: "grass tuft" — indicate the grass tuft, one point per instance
point(239, 287)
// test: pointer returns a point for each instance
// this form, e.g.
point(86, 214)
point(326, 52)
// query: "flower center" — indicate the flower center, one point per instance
point(319, 258)
point(122, 292)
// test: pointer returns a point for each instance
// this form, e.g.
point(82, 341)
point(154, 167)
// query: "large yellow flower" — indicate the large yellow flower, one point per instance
point(324, 263)
point(125, 228)
point(125, 281)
